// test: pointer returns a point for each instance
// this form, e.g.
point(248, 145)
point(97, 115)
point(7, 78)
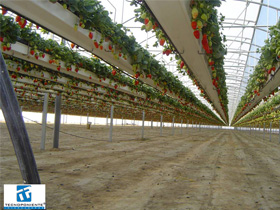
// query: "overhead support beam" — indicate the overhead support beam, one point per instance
point(259, 3)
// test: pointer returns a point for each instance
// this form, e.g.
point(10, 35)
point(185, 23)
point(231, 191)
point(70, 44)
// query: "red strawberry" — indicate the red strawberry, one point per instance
point(43, 55)
point(4, 48)
point(116, 86)
point(114, 72)
point(90, 35)
point(18, 68)
point(136, 82)
point(58, 68)
point(194, 25)
point(96, 44)
point(23, 23)
point(110, 47)
point(182, 64)
point(37, 26)
point(101, 47)
point(149, 76)
point(1, 39)
point(18, 18)
point(32, 52)
point(273, 68)
point(4, 11)
point(269, 71)
point(50, 61)
point(137, 75)
point(167, 52)
point(37, 56)
point(76, 70)
point(120, 54)
point(161, 42)
point(214, 82)
point(146, 21)
point(72, 45)
point(196, 34)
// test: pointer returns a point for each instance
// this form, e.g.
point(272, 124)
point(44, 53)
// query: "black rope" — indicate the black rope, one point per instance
point(70, 134)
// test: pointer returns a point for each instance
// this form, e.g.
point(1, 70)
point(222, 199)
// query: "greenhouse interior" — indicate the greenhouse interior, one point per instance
point(140, 104)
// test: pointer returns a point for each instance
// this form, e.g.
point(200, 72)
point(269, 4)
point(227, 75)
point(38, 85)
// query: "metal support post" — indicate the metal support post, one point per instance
point(16, 127)
point(107, 120)
point(80, 120)
point(111, 124)
point(44, 121)
point(57, 121)
point(199, 127)
point(152, 124)
point(173, 128)
point(122, 121)
point(143, 124)
point(270, 131)
point(87, 118)
point(134, 122)
point(279, 132)
point(181, 126)
point(263, 131)
point(250, 130)
point(160, 125)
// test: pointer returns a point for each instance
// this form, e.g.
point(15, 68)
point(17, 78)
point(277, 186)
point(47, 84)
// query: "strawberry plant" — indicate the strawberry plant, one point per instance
point(267, 63)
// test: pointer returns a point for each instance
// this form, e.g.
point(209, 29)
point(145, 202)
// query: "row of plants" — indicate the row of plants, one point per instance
point(12, 32)
point(29, 94)
point(269, 111)
point(23, 70)
point(205, 24)
point(95, 18)
point(268, 64)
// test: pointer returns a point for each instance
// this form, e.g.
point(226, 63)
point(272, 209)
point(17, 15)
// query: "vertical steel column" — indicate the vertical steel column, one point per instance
point(122, 121)
point(152, 124)
point(44, 121)
point(111, 124)
point(16, 127)
point(87, 118)
point(270, 131)
point(279, 132)
point(57, 121)
point(173, 128)
point(80, 120)
point(107, 120)
point(181, 126)
point(143, 124)
point(160, 125)
point(263, 131)
point(199, 127)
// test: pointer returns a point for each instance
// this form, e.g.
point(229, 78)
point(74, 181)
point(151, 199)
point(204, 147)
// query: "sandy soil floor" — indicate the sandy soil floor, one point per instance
point(196, 170)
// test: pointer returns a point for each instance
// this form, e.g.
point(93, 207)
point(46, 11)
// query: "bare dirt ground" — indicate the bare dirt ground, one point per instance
point(196, 170)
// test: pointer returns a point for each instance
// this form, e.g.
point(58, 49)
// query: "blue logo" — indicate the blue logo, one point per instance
point(23, 193)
